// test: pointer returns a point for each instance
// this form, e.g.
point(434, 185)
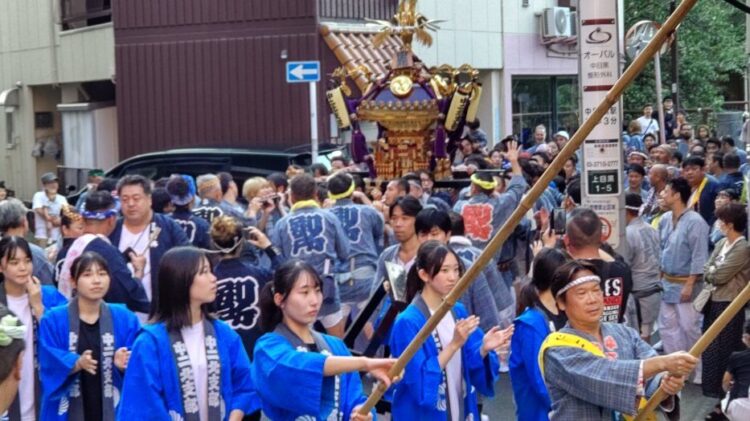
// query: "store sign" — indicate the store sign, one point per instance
point(599, 69)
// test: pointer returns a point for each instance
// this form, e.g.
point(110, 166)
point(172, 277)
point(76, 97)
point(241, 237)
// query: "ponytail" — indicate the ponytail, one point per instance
point(270, 313)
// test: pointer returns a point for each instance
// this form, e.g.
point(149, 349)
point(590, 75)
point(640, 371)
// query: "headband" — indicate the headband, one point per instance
point(10, 329)
point(487, 185)
point(633, 208)
point(343, 195)
point(99, 215)
point(580, 281)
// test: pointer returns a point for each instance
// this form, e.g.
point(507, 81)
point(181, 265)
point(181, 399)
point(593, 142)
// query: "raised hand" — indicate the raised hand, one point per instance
point(34, 290)
point(356, 416)
point(497, 339)
point(464, 329)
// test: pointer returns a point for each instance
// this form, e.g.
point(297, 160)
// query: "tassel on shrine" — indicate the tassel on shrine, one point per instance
point(359, 146)
point(439, 150)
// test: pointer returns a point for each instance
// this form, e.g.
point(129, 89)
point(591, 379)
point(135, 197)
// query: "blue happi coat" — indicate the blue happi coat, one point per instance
point(196, 228)
point(152, 387)
point(314, 235)
point(529, 390)
point(415, 397)
point(170, 235)
point(56, 361)
point(478, 299)
point(293, 384)
point(237, 298)
point(580, 384)
point(363, 226)
point(484, 215)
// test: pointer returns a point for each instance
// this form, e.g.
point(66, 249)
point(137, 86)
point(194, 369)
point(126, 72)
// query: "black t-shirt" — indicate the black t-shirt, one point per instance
point(89, 338)
point(739, 368)
point(558, 320)
point(617, 283)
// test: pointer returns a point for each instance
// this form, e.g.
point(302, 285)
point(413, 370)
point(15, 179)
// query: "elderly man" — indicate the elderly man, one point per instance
point(658, 177)
point(142, 231)
point(13, 222)
point(47, 205)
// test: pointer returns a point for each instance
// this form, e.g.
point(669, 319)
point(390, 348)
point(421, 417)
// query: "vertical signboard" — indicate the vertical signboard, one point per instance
point(599, 69)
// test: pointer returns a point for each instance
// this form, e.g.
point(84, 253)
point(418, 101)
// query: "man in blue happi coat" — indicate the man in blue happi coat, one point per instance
point(316, 236)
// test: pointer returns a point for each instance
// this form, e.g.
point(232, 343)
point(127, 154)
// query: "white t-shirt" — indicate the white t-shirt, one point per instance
point(195, 342)
point(139, 243)
point(445, 330)
point(648, 125)
point(54, 208)
point(20, 307)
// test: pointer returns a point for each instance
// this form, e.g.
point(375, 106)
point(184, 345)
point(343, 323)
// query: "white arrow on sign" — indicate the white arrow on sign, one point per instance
point(300, 72)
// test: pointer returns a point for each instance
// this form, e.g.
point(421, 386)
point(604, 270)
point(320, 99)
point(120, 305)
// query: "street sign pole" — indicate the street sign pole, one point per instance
point(599, 69)
point(314, 120)
point(308, 72)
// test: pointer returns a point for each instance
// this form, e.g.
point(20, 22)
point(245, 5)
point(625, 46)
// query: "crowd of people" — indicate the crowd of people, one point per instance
point(200, 299)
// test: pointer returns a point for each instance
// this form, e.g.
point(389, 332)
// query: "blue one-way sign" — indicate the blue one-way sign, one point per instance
point(302, 71)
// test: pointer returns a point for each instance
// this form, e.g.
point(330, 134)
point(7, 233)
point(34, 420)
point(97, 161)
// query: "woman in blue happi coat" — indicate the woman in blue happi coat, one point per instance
point(540, 317)
point(187, 365)
point(84, 348)
point(442, 378)
point(23, 294)
point(306, 375)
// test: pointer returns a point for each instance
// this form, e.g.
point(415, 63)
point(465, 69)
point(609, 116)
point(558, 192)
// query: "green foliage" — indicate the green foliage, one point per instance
point(711, 47)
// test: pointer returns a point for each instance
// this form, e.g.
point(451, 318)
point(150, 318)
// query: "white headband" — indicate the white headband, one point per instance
point(580, 281)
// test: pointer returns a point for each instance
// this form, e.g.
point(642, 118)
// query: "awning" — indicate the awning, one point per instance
point(9, 98)
point(353, 48)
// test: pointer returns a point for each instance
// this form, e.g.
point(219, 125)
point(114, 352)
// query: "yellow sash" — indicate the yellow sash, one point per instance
point(695, 198)
point(575, 341)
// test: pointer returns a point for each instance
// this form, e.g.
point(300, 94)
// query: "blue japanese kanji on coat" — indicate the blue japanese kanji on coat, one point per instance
point(307, 233)
point(465, 254)
point(349, 217)
point(237, 302)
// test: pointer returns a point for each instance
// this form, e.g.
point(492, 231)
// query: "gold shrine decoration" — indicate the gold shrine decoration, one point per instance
point(476, 95)
point(338, 105)
point(456, 110)
point(407, 24)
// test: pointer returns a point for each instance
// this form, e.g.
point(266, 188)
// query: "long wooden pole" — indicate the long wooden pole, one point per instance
point(532, 196)
point(737, 305)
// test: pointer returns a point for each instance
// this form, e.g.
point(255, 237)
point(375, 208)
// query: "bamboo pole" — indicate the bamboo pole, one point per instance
point(533, 195)
point(712, 332)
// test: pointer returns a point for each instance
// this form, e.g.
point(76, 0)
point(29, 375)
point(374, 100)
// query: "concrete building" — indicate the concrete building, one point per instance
point(529, 78)
point(56, 90)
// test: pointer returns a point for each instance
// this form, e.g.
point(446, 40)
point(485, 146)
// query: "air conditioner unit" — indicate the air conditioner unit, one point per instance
point(556, 22)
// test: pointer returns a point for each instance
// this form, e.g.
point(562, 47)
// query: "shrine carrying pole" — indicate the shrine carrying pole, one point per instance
point(533, 195)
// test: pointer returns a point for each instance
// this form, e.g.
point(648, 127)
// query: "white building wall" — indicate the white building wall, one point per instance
point(35, 52)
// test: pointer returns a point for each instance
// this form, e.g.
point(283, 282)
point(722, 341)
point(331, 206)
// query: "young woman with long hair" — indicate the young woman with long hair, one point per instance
point(294, 361)
point(442, 378)
point(186, 365)
point(23, 294)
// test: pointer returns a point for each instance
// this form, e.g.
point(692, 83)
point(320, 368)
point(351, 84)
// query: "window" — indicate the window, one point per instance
point(548, 100)
point(10, 130)
point(83, 13)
